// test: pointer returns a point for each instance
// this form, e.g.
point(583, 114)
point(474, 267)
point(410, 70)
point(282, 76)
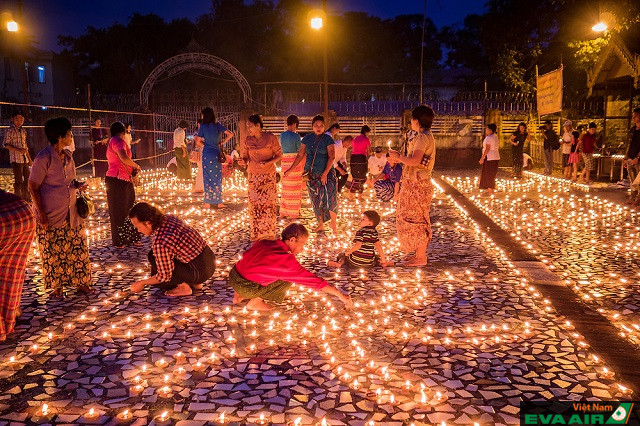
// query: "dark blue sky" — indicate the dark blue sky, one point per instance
point(48, 18)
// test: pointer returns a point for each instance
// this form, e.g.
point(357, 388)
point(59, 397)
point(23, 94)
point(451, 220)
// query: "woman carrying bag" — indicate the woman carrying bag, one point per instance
point(61, 234)
point(120, 192)
point(318, 151)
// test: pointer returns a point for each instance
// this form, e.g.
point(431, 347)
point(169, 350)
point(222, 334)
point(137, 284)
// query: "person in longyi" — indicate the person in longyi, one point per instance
point(266, 271)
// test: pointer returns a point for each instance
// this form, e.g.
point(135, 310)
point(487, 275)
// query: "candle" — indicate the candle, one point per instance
point(161, 363)
point(262, 420)
point(198, 366)
point(296, 422)
point(164, 391)
point(44, 410)
point(92, 414)
point(162, 419)
point(124, 417)
point(136, 389)
point(222, 419)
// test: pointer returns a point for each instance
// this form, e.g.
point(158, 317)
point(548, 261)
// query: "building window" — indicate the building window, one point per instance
point(41, 72)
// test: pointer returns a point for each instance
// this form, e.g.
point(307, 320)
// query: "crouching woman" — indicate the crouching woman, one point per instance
point(269, 267)
point(180, 259)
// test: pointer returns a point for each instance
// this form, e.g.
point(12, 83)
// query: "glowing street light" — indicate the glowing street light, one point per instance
point(316, 23)
point(12, 26)
point(316, 18)
point(600, 27)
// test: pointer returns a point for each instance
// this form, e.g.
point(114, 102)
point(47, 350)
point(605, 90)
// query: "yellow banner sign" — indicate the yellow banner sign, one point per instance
point(550, 92)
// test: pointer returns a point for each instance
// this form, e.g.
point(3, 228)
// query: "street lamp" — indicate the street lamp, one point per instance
point(12, 26)
point(317, 19)
point(600, 27)
point(316, 23)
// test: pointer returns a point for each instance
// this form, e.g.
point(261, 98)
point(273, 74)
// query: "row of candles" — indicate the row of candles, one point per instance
point(616, 226)
point(388, 304)
point(603, 371)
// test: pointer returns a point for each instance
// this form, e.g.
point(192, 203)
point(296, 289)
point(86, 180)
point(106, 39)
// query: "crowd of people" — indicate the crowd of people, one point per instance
point(578, 145)
point(47, 197)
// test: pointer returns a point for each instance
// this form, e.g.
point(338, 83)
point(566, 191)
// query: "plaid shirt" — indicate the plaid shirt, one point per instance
point(17, 228)
point(173, 240)
point(16, 138)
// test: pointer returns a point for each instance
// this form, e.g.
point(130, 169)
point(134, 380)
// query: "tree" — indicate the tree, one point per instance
point(118, 59)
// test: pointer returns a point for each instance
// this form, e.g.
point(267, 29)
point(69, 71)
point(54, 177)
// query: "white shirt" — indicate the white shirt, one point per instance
point(376, 165)
point(567, 137)
point(490, 144)
point(179, 136)
point(341, 154)
point(127, 138)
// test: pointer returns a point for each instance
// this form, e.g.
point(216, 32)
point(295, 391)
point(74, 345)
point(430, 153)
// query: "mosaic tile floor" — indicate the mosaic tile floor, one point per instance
point(585, 237)
point(461, 341)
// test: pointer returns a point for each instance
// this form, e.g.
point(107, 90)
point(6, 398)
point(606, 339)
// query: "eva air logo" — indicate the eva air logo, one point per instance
point(621, 415)
point(597, 413)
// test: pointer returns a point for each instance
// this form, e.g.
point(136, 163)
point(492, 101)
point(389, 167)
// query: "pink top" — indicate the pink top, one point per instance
point(116, 168)
point(268, 261)
point(361, 145)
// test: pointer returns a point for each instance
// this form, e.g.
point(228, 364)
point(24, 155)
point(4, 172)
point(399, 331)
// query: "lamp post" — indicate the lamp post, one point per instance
point(317, 20)
point(13, 27)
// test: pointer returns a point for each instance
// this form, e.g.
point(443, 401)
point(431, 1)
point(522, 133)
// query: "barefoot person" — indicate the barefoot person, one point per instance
point(269, 267)
point(180, 259)
point(318, 151)
point(366, 243)
point(414, 200)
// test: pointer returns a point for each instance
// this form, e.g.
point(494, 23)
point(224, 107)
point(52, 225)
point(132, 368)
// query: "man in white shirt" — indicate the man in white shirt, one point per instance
point(376, 164)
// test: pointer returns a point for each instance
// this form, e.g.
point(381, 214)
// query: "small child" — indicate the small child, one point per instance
point(362, 253)
point(574, 157)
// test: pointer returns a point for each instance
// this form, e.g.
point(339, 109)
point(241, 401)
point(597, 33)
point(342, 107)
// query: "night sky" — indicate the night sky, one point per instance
point(49, 18)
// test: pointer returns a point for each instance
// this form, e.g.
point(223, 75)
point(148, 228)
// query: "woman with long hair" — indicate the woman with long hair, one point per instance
point(416, 190)
point(318, 151)
point(489, 160)
point(121, 194)
point(209, 138)
point(260, 151)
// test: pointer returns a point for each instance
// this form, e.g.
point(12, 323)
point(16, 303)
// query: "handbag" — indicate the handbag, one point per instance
point(84, 205)
point(307, 174)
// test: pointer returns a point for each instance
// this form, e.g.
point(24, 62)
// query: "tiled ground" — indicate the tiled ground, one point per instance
point(587, 238)
point(461, 341)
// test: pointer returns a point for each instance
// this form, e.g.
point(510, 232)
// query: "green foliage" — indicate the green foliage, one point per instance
point(587, 52)
point(265, 40)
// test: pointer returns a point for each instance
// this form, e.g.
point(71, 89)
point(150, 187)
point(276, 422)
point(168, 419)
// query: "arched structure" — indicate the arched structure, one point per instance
point(192, 60)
